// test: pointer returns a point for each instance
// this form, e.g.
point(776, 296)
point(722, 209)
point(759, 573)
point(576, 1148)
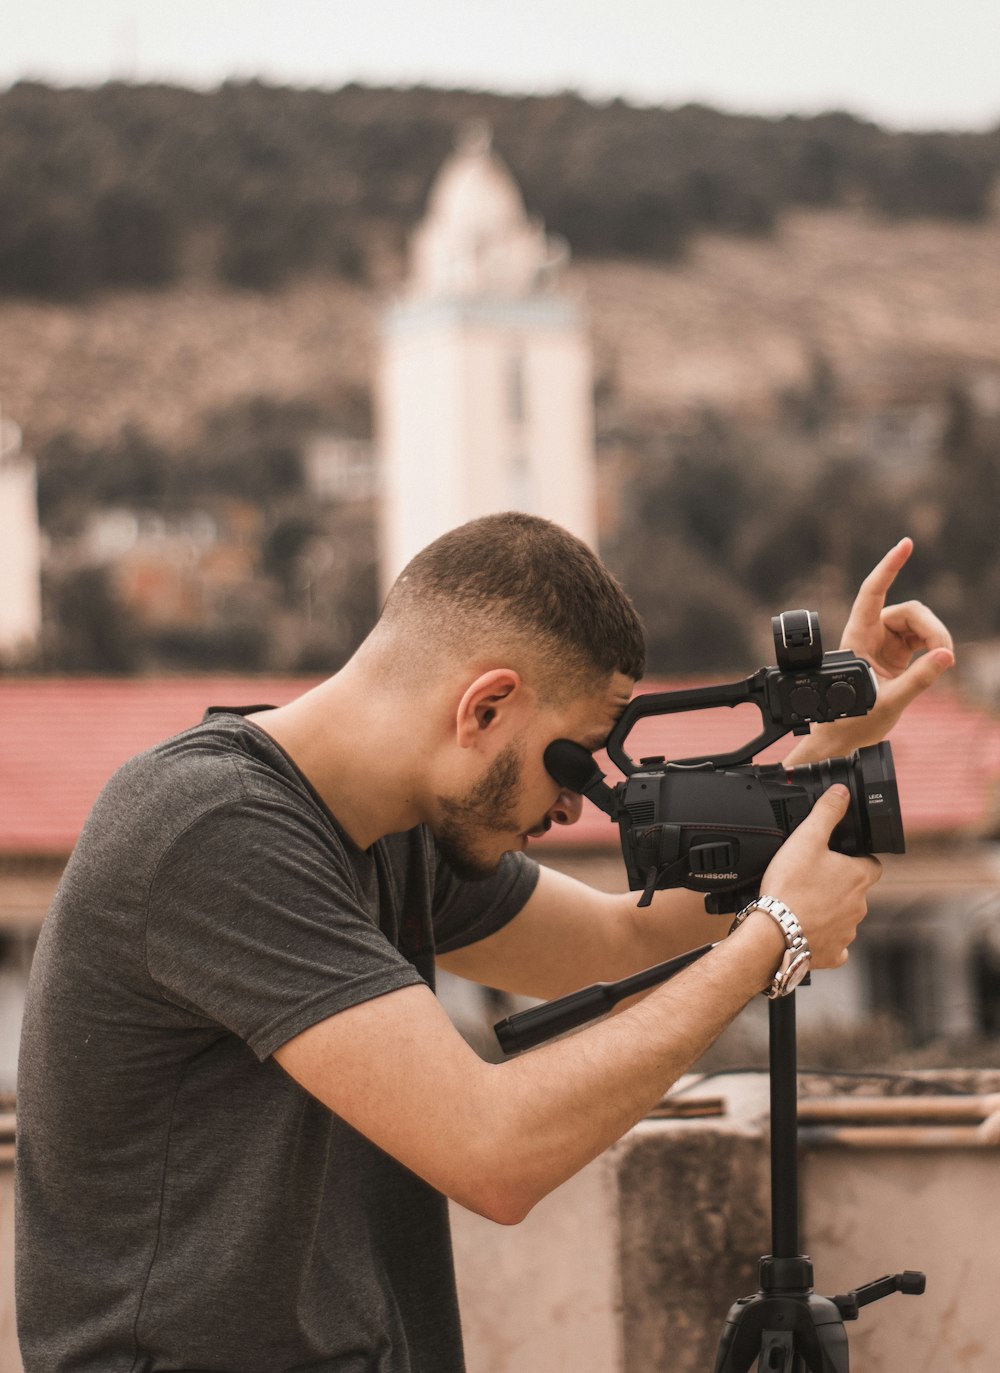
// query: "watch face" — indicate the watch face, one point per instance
point(793, 968)
point(797, 970)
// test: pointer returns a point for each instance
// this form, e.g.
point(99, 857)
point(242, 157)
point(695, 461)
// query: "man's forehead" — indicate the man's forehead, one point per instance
point(603, 710)
point(619, 693)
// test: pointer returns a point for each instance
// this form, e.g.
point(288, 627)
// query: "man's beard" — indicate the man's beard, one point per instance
point(488, 808)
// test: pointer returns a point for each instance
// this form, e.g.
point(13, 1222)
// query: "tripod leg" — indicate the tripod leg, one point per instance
point(737, 1352)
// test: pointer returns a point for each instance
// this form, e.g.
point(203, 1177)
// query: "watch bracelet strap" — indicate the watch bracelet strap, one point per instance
point(796, 943)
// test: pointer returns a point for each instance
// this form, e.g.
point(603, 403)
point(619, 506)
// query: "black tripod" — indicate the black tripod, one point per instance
point(785, 1327)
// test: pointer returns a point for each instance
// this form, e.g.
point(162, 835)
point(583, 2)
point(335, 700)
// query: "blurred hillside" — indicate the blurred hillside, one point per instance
point(796, 327)
point(251, 184)
point(896, 309)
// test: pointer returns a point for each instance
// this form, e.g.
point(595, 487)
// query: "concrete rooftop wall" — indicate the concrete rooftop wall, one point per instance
point(632, 1266)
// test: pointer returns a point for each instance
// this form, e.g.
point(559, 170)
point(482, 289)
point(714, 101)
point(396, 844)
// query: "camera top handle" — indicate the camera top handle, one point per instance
point(808, 686)
point(753, 689)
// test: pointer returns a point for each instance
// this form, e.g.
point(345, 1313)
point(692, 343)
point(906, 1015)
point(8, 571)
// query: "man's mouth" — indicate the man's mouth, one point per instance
point(541, 828)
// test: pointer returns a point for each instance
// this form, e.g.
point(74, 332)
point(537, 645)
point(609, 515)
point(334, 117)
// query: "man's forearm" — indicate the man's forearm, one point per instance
point(675, 921)
point(497, 1137)
point(556, 1109)
point(569, 935)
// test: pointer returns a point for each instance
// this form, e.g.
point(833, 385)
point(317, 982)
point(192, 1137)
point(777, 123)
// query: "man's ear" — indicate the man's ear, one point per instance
point(485, 704)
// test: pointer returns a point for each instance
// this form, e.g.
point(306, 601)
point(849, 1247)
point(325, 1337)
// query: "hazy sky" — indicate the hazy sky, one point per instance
point(905, 63)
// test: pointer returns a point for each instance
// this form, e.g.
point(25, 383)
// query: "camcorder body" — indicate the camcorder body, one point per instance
point(714, 823)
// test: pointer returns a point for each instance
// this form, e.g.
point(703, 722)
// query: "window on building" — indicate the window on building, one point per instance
point(902, 985)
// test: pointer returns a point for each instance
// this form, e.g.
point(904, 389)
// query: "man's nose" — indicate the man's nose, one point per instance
point(568, 807)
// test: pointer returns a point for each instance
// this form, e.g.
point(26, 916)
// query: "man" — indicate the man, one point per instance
point(241, 1108)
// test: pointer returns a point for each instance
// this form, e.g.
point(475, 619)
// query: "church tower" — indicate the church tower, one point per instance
point(485, 389)
point(20, 542)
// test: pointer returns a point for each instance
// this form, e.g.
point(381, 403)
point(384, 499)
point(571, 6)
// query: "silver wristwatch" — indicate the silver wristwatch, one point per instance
point(795, 964)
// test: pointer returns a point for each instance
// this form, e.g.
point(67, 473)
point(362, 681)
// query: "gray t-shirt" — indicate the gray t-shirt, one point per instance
point(182, 1203)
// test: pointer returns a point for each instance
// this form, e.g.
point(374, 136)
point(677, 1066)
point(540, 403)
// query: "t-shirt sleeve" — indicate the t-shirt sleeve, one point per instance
point(255, 923)
point(465, 912)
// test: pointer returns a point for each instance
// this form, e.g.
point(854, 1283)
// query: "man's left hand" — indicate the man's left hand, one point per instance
point(908, 648)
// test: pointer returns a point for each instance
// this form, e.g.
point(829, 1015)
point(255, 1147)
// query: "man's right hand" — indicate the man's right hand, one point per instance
point(827, 891)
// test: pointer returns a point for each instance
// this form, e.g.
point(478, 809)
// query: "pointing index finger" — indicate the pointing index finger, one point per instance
point(875, 587)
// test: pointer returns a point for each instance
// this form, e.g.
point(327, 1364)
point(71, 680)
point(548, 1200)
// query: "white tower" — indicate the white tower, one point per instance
point(485, 390)
point(20, 549)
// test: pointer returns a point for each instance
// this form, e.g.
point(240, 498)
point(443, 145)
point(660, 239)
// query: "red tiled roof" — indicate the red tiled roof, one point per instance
point(61, 738)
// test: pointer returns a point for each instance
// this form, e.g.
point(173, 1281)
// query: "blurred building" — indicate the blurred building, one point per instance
point(20, 549)
point(174, 571)
point(337, 468)
point(485, 387)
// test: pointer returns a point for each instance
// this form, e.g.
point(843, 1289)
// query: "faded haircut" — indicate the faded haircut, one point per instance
point(517, 581)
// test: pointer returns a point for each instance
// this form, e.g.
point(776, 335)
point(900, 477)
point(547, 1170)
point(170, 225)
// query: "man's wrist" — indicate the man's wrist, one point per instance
point(794, 964)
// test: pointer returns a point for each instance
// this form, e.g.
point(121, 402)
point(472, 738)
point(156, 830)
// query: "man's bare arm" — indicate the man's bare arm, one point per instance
point(568, 935)
point(499, 1137)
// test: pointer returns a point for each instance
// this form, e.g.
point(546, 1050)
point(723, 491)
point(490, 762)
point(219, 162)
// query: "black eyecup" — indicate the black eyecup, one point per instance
point(571, 765)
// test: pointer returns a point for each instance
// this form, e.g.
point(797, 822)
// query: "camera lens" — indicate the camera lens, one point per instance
point(879, 799)
point(873, 823)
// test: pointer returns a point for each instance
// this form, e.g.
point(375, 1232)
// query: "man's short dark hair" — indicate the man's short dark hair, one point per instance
point(519, 576)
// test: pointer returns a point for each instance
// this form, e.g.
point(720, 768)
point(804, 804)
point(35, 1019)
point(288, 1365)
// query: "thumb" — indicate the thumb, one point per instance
point(922, 673)
point(829, 810)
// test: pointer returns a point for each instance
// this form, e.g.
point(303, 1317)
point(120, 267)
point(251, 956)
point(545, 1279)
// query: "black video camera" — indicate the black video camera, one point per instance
point(714, 823)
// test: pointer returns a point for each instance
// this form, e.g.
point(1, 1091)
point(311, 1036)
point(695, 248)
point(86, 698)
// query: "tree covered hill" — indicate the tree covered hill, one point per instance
point(142, 185)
